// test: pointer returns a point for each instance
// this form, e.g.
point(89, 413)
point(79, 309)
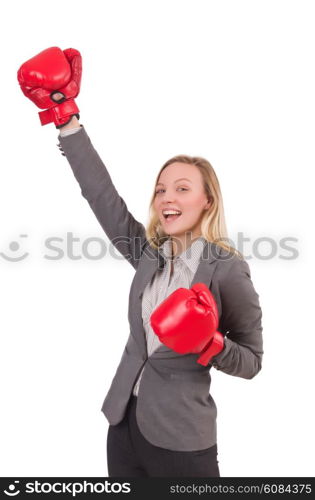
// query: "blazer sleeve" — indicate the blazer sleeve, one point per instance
point(123, 230)
point(241, 321)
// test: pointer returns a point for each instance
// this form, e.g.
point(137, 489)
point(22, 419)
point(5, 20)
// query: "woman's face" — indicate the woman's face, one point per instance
point(180, 187)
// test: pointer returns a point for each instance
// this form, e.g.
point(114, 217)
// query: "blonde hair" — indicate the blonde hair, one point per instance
point(213, 226)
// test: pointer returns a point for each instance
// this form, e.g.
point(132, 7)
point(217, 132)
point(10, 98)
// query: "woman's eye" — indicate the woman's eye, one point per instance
point(159, 190)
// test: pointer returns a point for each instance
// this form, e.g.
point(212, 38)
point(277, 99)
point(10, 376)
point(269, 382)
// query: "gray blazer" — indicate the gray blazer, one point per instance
point(174, 408)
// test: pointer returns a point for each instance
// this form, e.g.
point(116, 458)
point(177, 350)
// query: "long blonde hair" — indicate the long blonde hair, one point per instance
point(213, 226)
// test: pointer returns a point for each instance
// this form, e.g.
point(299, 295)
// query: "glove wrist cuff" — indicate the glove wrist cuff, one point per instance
point(213, 348)
point(61, 114)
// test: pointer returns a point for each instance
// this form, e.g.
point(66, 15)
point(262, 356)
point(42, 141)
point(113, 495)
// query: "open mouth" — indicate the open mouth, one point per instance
point(168, 217)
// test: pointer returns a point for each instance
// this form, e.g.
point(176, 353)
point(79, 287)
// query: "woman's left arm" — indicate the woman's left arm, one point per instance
point(241, 319)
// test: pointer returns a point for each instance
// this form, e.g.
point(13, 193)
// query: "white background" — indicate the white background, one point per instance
point(232, 81)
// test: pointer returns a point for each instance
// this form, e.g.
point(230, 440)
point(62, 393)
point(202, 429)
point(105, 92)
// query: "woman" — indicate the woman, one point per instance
point(161, 415)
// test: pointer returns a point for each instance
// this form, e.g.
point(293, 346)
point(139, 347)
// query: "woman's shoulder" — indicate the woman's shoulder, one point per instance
point(229, 262)
point(223, 252)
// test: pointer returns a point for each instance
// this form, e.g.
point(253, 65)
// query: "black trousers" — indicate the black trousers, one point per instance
point(129, 454)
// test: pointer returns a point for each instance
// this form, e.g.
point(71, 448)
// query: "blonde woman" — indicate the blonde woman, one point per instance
point(162, 416)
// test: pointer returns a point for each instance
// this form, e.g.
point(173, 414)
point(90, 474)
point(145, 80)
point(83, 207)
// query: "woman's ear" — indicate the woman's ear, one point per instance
point(208, 204)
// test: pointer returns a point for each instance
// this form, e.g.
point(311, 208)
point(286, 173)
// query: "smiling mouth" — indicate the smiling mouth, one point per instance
point(170, 218)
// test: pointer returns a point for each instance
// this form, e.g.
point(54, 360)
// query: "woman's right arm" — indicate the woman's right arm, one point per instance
point(123, 230)
point(51, 79)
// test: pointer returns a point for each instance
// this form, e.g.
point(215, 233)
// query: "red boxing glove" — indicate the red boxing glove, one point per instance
point(50, 72)
point(187, 321)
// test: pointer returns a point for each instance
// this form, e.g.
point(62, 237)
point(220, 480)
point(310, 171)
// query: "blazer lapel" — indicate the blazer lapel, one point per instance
point(151, 261)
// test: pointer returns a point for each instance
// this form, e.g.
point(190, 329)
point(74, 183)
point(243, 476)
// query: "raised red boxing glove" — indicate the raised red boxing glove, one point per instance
point(187, 321)
point(51, 72)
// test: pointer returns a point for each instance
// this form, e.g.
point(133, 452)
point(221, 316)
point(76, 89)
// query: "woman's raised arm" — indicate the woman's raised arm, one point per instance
point(51, 79)
point(124, 231)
